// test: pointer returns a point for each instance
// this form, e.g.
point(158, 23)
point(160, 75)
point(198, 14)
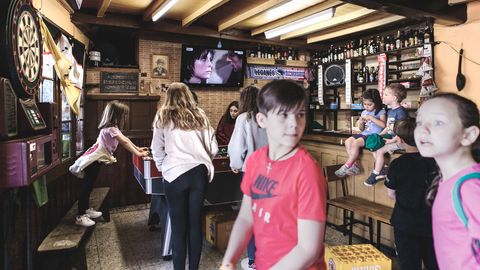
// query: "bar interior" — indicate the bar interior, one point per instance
point(64, 62)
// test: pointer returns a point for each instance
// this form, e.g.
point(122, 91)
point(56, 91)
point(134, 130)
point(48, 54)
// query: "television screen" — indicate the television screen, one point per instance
point(203, 66)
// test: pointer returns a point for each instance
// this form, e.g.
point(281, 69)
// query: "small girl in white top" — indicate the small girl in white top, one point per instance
point(88, 165)
point(183, 147)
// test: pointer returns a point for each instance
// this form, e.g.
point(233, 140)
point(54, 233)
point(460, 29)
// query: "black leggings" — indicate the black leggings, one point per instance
point(413, 249)
point(91, 174)
point(185, 197)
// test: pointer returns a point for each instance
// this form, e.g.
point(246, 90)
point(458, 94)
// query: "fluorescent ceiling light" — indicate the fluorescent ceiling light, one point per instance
point(282, 10)
point(163, 9)
point(295, 25)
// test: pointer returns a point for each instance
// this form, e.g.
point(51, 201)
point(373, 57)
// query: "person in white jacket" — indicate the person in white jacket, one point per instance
point(247, 137)
point(183, 147)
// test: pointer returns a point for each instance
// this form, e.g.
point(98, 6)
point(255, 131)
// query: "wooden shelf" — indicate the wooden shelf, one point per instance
point(404, 80)
point(114, 69)
point(402, 70)
point(109, 96)
point(394, 62)
point(364, 84)
point(272, 62)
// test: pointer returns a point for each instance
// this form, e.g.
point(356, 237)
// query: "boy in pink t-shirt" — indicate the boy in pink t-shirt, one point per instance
point(284, 202)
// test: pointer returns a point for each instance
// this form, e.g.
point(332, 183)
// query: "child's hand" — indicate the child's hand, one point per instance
point(143, 153)
point(142, 148)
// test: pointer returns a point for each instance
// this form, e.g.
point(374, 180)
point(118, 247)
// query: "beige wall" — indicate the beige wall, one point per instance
point(446, 59)
point(54, 11)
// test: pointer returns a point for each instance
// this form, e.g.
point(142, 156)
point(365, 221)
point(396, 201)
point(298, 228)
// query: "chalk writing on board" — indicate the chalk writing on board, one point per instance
point(118, 82)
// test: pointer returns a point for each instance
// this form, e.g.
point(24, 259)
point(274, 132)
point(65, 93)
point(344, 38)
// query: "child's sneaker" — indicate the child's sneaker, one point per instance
point(92, 213)
point(84, 221)
point(371, 180)
point(246, 264)
point(382, 175)
point(353, 170)
point(342, 172)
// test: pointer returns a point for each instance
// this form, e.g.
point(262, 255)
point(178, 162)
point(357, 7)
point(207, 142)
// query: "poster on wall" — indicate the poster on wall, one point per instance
point(276, 73)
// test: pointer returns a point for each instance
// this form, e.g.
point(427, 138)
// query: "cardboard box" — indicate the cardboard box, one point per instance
point(356, 257)
point(218, 228)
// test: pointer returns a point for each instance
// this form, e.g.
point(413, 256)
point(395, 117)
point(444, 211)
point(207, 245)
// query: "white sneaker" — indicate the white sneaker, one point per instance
point(92, 213)
point(84, 221)
point(245, 266)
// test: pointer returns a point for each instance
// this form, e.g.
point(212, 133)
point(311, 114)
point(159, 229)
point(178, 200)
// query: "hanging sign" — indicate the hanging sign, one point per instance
point(348, 82)
point(320, 84)
point(382, 73)
point(275, 73)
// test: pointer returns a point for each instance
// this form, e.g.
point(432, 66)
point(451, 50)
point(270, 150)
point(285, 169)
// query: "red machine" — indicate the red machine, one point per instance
point(147, 175)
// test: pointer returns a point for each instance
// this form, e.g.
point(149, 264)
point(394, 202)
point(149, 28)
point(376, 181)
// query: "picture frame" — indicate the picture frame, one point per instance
point(160, 66)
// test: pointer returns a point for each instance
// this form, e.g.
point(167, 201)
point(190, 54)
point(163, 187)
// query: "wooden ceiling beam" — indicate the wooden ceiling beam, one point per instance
point(104, 4)
point(387, 20)
point(154, 5)
point(296, 16)
point(335, 21)
point(246, 14)
point(207, 7)
point(419, 10)
point(135, 23)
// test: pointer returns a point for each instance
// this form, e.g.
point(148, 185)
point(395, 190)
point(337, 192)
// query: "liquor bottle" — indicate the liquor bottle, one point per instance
point(371, 75)
point(405, 39)
point(398, 41)
point(366, 74)
point(381, 44)
point(411, 38)
point(415, 38)
point(259, 52)
point(290, 53)
point(351, 49)
point(365, 48)
point(426, 35)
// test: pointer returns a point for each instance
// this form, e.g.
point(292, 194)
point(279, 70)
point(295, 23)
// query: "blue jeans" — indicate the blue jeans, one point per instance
point(251, 249)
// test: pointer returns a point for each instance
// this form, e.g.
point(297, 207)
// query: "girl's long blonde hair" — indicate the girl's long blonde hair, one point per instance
point(180, 108)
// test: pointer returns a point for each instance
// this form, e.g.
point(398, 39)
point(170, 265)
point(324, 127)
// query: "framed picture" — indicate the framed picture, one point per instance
point(159, 66)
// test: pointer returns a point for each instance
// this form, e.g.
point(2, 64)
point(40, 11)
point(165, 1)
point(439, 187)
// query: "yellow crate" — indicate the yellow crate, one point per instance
point(356, 257)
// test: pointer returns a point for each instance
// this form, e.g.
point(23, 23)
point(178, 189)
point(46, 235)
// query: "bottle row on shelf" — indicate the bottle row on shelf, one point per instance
point(406, 38)
point(275, 52)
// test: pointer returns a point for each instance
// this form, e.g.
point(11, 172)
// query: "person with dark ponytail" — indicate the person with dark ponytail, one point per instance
point(447, 129)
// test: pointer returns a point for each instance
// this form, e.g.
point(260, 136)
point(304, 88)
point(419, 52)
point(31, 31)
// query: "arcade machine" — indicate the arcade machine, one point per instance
point(151, 181)
point(28, 147)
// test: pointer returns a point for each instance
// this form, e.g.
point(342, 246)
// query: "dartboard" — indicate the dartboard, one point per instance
point(23, 47)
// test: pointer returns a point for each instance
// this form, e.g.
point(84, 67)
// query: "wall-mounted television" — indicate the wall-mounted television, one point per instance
point(204, 66)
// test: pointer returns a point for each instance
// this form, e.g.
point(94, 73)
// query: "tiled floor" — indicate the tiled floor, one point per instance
point(127, 243)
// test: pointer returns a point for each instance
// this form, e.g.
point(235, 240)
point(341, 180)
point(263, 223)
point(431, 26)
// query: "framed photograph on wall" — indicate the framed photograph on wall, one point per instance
point(159, 66)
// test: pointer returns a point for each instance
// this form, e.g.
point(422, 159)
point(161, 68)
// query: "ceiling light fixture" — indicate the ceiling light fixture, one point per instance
point(282, 10)
point(295, 25)
point(163, 9)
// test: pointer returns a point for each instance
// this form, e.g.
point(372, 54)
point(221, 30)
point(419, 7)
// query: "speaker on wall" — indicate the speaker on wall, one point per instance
point(334, 75)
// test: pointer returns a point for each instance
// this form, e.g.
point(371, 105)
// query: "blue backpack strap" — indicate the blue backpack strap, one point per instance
point(457, 200)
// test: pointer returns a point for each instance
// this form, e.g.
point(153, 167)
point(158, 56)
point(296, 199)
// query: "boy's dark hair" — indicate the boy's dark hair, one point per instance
point(227, 117)
point(373, 95)
point(281, 95)
point(398, 90)
point(248, 101)
point(405, 129)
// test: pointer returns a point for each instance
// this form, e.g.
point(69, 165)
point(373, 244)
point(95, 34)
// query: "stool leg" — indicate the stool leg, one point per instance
point(370, 229)
point(379, 232)
point(350, 232)
point(345, 221)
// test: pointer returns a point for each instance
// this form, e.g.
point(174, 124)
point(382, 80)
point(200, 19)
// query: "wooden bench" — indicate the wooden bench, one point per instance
point(64, 247)
point(352, 206)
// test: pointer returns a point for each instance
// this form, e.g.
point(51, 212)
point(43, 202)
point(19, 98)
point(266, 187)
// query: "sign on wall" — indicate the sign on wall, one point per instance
point(118, 82)
point(275, 73)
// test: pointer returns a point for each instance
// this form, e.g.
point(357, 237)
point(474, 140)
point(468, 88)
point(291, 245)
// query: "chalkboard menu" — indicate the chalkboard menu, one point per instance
point(118, 82)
